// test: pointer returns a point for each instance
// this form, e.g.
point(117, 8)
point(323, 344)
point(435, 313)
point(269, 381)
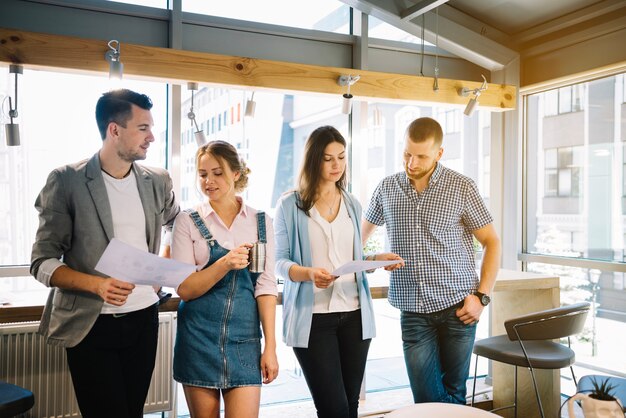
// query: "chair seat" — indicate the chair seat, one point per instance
point(14, 400)
point(542, 354)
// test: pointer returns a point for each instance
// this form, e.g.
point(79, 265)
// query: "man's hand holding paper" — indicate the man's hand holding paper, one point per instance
point(132, 265)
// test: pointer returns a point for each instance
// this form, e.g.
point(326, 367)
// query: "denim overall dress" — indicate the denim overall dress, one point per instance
point(218, 342)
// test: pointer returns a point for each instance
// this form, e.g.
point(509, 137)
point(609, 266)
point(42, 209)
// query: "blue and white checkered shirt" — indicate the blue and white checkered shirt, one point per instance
point(432, 232)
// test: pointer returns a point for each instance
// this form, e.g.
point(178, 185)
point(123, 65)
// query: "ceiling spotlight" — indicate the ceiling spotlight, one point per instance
point(250, 107)
point(347, 80)
point(12, 130)
point(116, 68)
point(198, 133)
point(473, 102)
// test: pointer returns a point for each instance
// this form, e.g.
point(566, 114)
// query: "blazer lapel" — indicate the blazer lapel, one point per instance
point(98, 191)
point(146, 193)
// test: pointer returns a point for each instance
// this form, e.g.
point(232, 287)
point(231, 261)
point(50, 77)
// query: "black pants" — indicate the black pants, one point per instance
point(112, 366)
point(334, 363)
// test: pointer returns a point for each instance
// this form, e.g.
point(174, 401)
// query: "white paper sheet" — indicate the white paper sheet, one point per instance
point(130, 264)
point(361, 265)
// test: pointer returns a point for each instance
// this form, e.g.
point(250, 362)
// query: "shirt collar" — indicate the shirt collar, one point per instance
point(243, 211)
point(436, 174)
point(434, 177)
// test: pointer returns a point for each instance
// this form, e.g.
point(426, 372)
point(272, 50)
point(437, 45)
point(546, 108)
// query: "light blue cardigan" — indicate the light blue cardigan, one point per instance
point(291, 230)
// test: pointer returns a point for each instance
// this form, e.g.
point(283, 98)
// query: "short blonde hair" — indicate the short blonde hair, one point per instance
point(422, 129)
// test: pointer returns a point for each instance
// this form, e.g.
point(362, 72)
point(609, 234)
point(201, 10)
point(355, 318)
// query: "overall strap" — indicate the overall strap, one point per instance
point(197, 220)
point(260, 223)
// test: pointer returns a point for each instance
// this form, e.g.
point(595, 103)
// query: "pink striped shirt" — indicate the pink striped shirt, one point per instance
point(189, 246)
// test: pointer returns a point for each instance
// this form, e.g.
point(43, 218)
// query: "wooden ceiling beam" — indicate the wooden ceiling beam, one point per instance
point(54, 52)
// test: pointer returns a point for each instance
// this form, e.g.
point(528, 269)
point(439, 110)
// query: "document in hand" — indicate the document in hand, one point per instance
point(361, 265)
point(130, 264)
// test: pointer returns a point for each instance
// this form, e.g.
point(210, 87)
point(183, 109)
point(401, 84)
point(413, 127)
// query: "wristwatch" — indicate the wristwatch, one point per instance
point(484, 299)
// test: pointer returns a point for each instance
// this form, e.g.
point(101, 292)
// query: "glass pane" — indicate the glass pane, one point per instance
point(551, 183)
point(382, 30)
point(565, 99)
point(271, 143)
point(161, 4)
point(601, 344)
point(565, 157)
point(577, 97)
point(551, 160)
point(565, 182)
point(57, 127)
point(551, 102)
point(583, 199)
point(624, 180)
point(324, 15)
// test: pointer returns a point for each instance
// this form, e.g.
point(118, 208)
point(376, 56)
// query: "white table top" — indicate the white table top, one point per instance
point(439, 410)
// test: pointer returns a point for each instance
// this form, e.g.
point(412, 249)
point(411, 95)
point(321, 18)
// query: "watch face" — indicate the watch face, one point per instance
point(484, 299)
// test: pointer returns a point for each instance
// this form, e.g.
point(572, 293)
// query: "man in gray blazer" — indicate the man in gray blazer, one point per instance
point(109, 327)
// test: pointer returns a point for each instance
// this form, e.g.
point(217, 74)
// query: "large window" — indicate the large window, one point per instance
point(57, 127)
point(324, 15)
point(575, 208)
point(271, 142)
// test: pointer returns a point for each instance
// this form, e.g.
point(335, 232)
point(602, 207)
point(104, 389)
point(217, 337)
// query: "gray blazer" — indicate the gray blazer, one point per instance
point(76, 225)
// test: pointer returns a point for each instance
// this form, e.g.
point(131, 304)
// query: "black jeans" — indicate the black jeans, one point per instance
point(112, 366)
point(334, 363)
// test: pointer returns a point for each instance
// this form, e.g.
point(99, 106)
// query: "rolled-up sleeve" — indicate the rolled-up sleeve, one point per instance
point(54, 235)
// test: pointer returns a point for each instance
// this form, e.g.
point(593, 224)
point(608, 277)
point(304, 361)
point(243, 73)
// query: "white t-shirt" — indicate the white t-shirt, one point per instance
point(129, 226)
point(332, 244)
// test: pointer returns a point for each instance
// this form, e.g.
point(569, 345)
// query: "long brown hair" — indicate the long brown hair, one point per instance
point(310, 171)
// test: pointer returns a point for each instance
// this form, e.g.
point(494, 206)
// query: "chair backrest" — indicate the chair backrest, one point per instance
point(549, 324)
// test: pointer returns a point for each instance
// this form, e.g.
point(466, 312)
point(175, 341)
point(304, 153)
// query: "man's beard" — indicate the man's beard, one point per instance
point(130, 156)
point(420, 174)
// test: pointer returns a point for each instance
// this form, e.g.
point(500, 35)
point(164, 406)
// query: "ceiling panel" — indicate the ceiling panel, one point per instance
point(514, 16)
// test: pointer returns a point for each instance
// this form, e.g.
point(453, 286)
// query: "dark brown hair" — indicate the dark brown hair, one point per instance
point(225, 152)
point(116, 106)
point(310, 171)
point(422, 129)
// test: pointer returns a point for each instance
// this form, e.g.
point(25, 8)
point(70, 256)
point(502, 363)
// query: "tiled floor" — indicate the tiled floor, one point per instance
point(375, 404)
point(288, 397)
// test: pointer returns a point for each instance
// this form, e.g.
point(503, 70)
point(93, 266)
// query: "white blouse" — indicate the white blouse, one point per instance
point(332, 245)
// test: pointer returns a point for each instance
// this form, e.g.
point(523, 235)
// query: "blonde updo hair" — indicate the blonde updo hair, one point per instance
point(225, 152)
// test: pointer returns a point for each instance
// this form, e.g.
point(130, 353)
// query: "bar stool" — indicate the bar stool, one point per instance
point(14, 400)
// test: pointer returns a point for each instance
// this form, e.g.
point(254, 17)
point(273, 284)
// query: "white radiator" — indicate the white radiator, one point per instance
point(26, 360)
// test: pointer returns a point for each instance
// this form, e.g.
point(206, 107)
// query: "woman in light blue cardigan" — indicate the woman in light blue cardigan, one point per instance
point(328, 320)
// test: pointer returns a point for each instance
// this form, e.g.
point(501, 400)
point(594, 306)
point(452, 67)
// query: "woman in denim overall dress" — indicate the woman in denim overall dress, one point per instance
point(218, 347)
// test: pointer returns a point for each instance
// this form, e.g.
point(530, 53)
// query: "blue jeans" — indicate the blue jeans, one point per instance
point(437, 353)
point(334, 363)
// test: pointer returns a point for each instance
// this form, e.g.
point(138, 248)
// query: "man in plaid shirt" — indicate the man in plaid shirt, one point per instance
point(432, 214)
